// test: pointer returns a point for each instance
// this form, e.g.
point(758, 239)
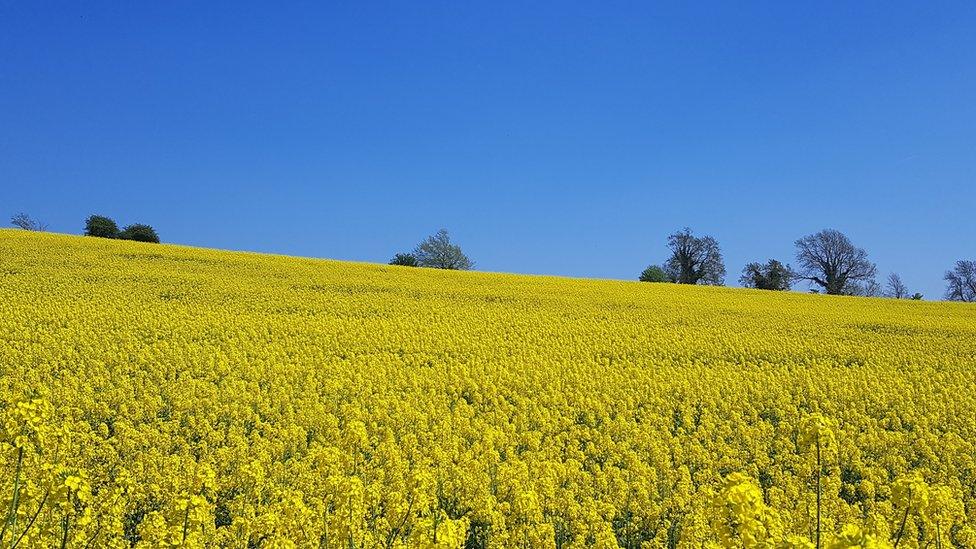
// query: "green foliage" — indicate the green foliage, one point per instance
point(140, 233)
point(438, 252)
point(695, 260)
point(405, 260)
point(654, 273)
point(101, 226)
point(772, 275)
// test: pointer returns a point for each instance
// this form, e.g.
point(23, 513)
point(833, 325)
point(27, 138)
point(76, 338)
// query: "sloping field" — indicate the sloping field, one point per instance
point(156, 394)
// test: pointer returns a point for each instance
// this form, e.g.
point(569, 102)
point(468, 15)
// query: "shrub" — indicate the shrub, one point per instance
point(405, 260)
point(140, 233)
point(772, 275)
point(101, 226)
point(653, 273)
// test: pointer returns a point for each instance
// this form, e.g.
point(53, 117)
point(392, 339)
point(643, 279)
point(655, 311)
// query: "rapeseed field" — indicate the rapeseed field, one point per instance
point(165, 396)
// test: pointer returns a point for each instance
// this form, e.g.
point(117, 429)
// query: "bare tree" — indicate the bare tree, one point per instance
point(829, 260)
point(961, 282)
point(694, 260)
point(867, 288)
point(439, 252)
point(27, 223)
point(896, 288)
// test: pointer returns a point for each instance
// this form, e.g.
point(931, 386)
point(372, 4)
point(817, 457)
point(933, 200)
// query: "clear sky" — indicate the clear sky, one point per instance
point(560, 138)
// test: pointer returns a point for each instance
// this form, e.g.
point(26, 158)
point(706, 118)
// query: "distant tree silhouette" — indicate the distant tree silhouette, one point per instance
point(405, 260)
point(895, 288)
point(866, 288)
point(961, 282)
point(654, 273)
point(439, 252)
point(101, 226)
point(28, 223)
point(694, 260)
point(831, 261)
point(140, 233)
point(772, 275)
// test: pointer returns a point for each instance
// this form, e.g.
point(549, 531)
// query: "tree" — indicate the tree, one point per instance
point(654, 273)
point(101, 226)
point(771, 276)
point(439, 252)
point(405, 260)
point(28, 223)
point(867, 288)
point(830, 260)
point(694, 260)
point(895, 287)
point(140, 233)
point(961, 282)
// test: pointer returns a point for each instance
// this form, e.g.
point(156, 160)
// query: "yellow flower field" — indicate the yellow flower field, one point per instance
point(164, 396)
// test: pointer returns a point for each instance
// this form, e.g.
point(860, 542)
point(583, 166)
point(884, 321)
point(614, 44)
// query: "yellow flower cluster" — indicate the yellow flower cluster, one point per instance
point(163, 396)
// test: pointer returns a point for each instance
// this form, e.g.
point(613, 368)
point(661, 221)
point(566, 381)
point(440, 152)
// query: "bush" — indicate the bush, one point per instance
point(140, 233)
point(772, 275)
point(653, 274)
point(101, 226)
point(405, 260)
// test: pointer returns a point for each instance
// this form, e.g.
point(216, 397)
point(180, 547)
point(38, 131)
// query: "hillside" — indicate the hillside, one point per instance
point(228, 399)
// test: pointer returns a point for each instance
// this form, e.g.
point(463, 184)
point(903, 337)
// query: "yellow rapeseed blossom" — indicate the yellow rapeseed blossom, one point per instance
point(165, 396)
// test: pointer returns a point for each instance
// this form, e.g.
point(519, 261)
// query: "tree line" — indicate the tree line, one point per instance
point(105, 227)
point(827, 260)
point(95, 225)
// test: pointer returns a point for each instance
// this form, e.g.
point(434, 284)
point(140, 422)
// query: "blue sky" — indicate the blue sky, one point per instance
point(558, 138)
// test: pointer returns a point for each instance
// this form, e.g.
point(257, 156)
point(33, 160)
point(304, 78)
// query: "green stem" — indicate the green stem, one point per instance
point(819, 471)
point(32, 520)
point(901, 530)
point(186, 522)
point(64, 531)
point(352, 543)
point(396, 531)
point(11, 521)
point(94, 536)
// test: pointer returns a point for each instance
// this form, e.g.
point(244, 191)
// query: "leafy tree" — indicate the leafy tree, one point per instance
point(895, 287)
point(771, 276)
point(140, 233)
point(694, 260)
point(405, 260)
point(101, 226)
point(961, 282)
point(439, 252)
point(654, 273)
point(28, 223)
point(830, 260)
